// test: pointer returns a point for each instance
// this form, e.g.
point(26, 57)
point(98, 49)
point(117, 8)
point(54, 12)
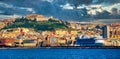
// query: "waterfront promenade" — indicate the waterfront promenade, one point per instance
point(65, 47)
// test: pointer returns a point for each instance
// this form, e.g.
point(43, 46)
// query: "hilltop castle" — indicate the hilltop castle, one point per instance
point(39, 17)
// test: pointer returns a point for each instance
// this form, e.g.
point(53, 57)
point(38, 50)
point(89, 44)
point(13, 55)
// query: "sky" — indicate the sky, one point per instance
point(62, 9)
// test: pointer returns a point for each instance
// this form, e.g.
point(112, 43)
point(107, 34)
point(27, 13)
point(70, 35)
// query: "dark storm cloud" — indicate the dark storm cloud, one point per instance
point(38, 6)
point(106, 1)
point(83, 1)
point(108, 15)
point(93, 1)
point(52, 8)
point(111, 1)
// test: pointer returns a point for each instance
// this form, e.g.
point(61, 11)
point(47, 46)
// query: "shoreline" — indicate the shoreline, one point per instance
point(65, 47)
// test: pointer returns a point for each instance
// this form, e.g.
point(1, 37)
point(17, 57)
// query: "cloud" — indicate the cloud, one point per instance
point(5, 5)
point(95, 1)
point(62, 9)
point(48, 0)
point(11, 9)
point(66, 6)
point(1, 11)
point(83, 1)
point(9, 16)
point(27, 9)
point(111, 1)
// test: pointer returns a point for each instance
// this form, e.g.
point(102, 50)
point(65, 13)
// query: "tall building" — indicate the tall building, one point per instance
point(106, 31)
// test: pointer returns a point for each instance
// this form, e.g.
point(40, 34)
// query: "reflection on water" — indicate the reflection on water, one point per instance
point(60, 54)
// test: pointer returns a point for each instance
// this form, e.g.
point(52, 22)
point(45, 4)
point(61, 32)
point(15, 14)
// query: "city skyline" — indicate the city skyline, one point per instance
point(59, 29)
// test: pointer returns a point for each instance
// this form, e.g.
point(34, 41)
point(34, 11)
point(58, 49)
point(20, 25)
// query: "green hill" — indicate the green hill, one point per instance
point(44, 25)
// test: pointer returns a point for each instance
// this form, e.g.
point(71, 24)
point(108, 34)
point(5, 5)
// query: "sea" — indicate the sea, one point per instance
point(59, 53)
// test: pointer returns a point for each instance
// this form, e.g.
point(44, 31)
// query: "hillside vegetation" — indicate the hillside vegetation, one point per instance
point(44, 25)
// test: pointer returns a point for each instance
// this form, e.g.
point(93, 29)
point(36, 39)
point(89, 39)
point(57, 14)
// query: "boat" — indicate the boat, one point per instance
point(87, 41)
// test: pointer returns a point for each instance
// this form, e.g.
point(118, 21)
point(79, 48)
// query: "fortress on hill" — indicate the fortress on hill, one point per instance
point(39, 17)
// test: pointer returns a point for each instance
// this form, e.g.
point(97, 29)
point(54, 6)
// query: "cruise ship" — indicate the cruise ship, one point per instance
point(88, 41)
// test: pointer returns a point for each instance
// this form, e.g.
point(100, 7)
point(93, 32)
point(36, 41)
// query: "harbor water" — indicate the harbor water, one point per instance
point(59, 53)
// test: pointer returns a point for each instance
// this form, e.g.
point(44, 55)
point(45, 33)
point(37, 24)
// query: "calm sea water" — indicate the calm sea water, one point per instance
point(49, 53)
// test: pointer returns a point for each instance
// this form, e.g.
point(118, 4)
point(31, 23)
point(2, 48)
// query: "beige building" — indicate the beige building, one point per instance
point(18, 42)
point(74, 32)
point(10, 34)
point(2, 25)
point(37, 17)
point(60, 32)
